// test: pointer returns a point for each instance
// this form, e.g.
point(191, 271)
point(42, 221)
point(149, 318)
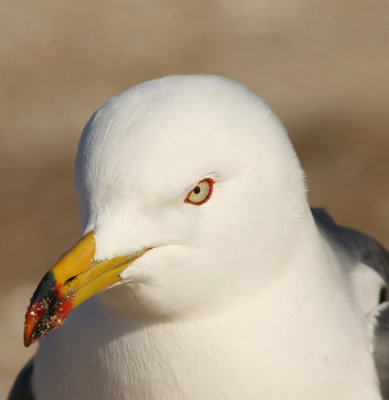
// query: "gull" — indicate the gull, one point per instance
point(202, 272)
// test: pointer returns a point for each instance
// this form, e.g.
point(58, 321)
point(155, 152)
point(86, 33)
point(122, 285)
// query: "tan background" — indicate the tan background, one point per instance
point(322, 65)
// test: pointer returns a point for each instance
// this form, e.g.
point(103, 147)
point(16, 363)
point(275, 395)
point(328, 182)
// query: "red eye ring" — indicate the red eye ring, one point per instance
point(198, 186)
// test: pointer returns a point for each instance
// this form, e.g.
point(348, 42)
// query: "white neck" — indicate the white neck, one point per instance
point(283, 345)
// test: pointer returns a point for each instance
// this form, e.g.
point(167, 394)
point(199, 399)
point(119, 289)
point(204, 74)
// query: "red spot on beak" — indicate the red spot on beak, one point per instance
point(46, 313)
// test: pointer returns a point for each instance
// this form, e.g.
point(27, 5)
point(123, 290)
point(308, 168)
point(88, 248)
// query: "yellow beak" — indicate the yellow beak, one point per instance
point(73, 279)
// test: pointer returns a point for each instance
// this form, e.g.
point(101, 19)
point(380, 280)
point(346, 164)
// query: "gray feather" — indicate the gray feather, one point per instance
point(364, 249)
point(360, 247)
point(21, 389)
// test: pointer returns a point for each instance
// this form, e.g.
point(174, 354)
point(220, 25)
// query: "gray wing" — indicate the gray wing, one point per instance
point(364, 249)
point(21, 389)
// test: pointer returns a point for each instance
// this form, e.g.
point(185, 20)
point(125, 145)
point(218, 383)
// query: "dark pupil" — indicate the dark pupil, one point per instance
point(196, 190)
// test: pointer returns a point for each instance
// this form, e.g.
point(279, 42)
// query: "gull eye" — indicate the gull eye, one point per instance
point(201, 193)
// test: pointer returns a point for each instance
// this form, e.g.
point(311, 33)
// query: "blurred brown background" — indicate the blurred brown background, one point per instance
point(322, 65)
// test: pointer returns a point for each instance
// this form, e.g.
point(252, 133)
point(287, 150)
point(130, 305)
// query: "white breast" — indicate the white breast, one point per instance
point(250, 354)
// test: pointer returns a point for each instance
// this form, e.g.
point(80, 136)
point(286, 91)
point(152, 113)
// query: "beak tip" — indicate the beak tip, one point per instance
point(27, 340)
point(43, 317)
point(33, 316)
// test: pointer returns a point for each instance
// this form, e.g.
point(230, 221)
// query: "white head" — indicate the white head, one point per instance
point(144, 151)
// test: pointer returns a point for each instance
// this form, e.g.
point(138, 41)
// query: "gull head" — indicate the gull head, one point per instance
point(189, 188)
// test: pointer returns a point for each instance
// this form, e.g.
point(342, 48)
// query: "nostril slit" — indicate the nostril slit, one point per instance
point(383, 295)
point(70, 279)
